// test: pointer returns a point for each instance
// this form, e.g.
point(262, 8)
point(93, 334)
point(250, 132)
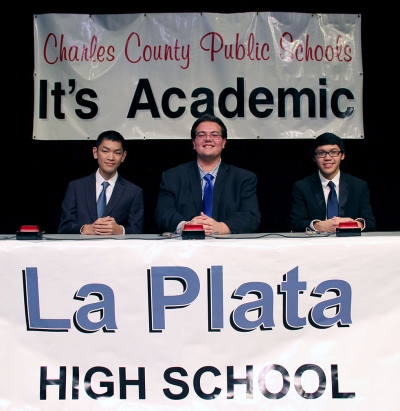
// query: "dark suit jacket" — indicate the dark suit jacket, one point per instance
point(235, 199)
point(79, 205)
point(308, 201)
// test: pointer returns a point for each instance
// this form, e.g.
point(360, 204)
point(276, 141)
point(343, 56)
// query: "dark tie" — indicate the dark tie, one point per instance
point(332, 207)
point(102, 201)
point(208, 195)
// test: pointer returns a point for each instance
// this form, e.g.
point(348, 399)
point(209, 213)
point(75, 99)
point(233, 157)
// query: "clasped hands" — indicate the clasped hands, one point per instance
point(103, 226)
point(210, 226)
point(329, 226)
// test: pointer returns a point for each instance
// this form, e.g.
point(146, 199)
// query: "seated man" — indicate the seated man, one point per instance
point(103, 203)
point(207, 191)
point(317, 206)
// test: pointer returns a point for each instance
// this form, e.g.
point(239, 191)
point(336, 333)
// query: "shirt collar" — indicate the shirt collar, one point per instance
point(213, 172)
point(325, 182)
point(100, 179)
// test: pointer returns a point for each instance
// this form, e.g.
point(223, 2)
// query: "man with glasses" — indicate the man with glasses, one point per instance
point(206, 191)
point(328, 197)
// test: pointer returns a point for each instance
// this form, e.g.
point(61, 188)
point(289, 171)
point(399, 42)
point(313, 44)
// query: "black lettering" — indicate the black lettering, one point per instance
point(169, 379)
point(143, 87)
point(93, 109)
point(165, 102)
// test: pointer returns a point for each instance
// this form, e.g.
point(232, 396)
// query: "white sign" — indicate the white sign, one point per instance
point(267, 75)
point(197, 325)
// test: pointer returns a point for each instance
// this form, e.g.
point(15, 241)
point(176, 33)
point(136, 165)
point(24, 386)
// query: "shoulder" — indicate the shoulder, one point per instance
point(83, 180)
point(127, 184)
point(350, 179)
point(182, 168)
point(308, 180)
point(236, 171)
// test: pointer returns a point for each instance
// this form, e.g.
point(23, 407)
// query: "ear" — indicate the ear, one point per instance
point(94, 151)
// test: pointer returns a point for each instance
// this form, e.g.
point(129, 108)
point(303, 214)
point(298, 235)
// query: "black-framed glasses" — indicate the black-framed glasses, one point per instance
point(332, 153)
point(215, 135)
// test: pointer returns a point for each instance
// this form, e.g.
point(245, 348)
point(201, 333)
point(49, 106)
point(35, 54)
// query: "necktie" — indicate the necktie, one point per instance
point(102, 201)
point(208, 195)
point(332, 207)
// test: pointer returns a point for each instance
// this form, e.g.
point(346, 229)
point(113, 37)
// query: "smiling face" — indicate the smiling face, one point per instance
point(109, 155)
point(209, 148)
point(328, 166)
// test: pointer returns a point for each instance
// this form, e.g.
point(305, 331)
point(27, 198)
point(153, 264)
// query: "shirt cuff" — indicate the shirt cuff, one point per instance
point(178, 228)
point(363, 222)
point(312, 224)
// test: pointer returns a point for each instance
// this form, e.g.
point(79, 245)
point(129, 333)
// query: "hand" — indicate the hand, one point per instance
point(107, 226)
point(210, 225)
point(329, 226)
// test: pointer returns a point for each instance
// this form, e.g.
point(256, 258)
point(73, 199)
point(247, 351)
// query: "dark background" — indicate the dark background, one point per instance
point(36, 173)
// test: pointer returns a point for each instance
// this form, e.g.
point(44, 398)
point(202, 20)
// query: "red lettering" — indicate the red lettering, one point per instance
point(127, 47)
point(339, 47)
point(212, 48)
point(75, 53)
point(46, 45)
point(250, 46)
point(283, 42)
point(347, 51)
point(239, 49)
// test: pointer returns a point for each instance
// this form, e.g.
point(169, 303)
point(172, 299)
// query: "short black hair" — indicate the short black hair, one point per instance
point(111, 135)
point(326, 139)
point(212, 119)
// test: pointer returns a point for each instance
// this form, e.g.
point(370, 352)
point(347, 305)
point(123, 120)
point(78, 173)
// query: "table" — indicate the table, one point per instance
point(248, 322)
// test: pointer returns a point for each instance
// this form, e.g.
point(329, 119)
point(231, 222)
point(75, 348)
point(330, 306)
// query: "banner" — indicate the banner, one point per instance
point(276, 324)
point(267, 75)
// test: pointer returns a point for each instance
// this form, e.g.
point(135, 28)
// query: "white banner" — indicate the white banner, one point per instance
point(268, 75)
point(278, 324)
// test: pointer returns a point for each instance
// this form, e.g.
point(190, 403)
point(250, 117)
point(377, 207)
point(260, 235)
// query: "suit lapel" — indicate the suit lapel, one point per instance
point(195, 185)
point(90, 190)
point(119, 188)
point(316, 188)
point(223, 173)
point(343, 193)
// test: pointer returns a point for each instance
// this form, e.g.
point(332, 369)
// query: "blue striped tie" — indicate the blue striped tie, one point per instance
point(208, 195)
point(102, 200)
point(332, 207)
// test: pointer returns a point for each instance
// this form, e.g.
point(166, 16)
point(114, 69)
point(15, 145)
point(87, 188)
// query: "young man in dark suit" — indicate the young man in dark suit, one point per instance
point(123, 201)
point(234, 202)
point(310, 196)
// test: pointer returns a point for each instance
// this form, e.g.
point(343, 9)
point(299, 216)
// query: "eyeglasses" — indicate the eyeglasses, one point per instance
point(214, 135)
point(332, 153)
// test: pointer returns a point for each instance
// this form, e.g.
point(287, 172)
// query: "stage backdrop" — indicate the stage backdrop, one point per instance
point(268, 75)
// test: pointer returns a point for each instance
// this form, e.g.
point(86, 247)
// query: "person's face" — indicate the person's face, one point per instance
point(209, 147)
point(328, 165)
point(109, 156)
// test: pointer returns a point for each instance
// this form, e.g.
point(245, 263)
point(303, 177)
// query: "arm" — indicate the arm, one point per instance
point(167, 215)
point(134, 223)
point(243, 216)
point(299, 216)
point(365, 209)
point(69, 221)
